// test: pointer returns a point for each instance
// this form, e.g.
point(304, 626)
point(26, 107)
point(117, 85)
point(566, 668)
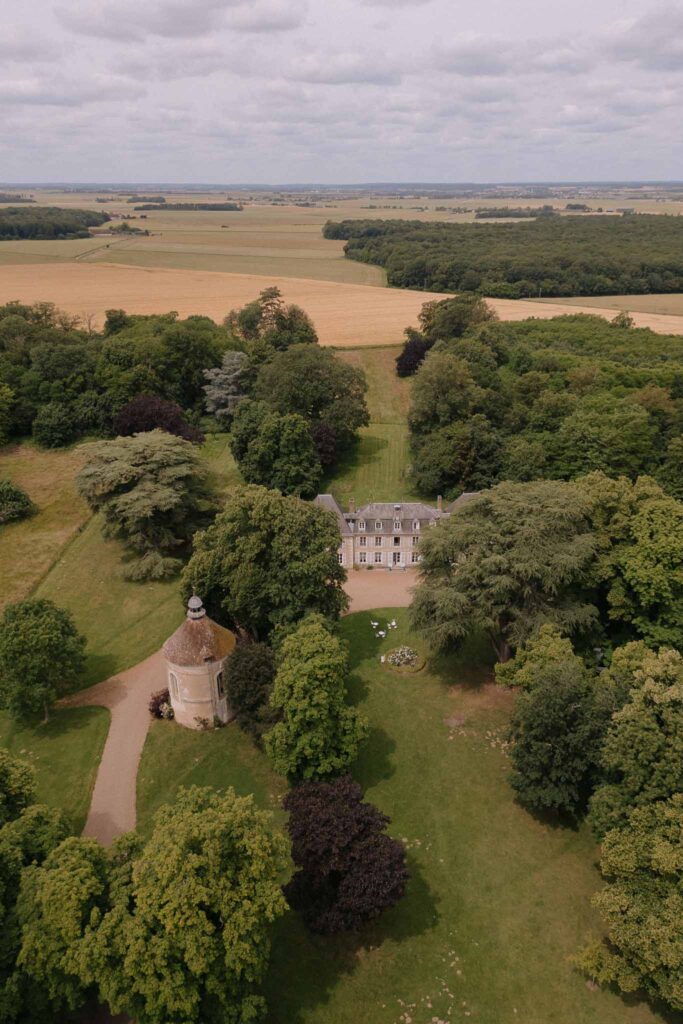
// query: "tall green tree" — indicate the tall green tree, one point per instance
point(642, 905)
point(556, 731)
point(41, 656)
point(152, 495)
point(266, 561)
point(315, 383)
point(642, 756)
point(318, 734)
point(275, 450)
point(512, 558)
point(443, 391)
point(175, 930)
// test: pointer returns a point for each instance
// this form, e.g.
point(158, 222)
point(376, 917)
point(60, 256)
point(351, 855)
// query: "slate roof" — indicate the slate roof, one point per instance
point(328, 502)
point(199, 641)
point(406, 510)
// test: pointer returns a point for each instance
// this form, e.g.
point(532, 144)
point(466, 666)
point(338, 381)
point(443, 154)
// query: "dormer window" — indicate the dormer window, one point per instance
point(397, 524)
point(416, 524)
point(378, 524)
point(361, 524)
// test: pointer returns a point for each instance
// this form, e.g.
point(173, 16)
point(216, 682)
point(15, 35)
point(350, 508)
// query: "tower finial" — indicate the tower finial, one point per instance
point(195, 608)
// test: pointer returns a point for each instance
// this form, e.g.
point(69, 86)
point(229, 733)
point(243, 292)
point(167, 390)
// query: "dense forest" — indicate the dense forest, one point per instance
point(550, 399)
point(550, 256)
point(47, 222)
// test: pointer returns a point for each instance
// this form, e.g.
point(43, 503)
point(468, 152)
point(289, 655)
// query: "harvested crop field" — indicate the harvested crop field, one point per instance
point(346, 315)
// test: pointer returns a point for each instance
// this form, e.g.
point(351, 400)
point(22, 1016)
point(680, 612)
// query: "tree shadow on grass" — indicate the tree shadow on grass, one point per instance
point(367, 449)
point(305, 969)
point(470, 667)
point(375, 763)
point(362, 646)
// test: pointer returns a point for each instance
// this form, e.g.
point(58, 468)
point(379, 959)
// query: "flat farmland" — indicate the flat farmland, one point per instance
point(670, 305)
point(346, 315)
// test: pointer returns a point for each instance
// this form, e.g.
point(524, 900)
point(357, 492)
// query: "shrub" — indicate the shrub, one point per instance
point(14, 503)
point(250, 672)
point(54, 425)
point(348, 869)
point(415, 348)
point(160, 705)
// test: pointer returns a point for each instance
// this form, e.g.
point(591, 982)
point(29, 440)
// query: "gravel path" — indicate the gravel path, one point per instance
point(112, 808)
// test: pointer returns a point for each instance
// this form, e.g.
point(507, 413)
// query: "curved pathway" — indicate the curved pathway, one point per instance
point(126, 695)
point(112, 807)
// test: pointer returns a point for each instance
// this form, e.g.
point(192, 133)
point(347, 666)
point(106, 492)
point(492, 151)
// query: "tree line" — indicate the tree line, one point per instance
point(552, 256)
point(495, 401)
point(144, 385)
point(47, 222)
point(163, 205)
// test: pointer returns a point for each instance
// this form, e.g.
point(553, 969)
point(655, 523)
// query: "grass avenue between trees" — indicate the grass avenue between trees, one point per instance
point(498, 902)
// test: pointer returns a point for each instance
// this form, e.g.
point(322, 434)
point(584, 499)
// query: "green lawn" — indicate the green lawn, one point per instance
point(498, 902)
point(378, 468)
point(65, 753)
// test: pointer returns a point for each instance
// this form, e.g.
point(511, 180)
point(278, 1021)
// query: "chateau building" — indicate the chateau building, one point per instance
point(384, 534)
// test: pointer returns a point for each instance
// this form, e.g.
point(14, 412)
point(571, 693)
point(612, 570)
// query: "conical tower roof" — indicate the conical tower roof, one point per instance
point(199, 640)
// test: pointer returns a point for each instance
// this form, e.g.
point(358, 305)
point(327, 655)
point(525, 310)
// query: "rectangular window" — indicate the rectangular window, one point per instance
point(415, 557)
point(416, 541)
point(220, 688)
point(378, 524)
point(378, 557)
point(416, 524)
point(340, 558)
point(361, 524)
point(173, 684)
point(397, 524)
point(378, 542)
point(362, 557)
point(363, 541)
point(397, 541)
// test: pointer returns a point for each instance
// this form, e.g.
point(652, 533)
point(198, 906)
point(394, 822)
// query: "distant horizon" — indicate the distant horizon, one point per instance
point(527, 183)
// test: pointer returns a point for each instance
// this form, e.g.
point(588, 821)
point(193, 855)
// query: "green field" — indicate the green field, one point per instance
point(668, 304)
point(65, 753)
point(498, 902)
point(378, 469)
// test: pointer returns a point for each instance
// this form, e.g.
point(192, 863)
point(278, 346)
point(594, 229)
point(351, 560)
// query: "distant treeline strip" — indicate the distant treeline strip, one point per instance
point(47, 222)
point(13, 197)
point(551, 256)
point(233, 207)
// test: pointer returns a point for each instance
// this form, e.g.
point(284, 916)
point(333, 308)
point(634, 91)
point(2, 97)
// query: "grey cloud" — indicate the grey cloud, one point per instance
point(65, 93)
point(344, 69)
point(654, 41)
point(19, 47)
point(474, 55)
point(269, 16)
point(129, 21)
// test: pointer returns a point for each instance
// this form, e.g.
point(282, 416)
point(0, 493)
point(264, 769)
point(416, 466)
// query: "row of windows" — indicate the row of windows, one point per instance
point(379, 525)
point(378, 558)
point(363, 541)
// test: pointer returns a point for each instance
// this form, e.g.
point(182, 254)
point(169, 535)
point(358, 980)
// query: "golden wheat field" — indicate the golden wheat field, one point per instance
point(346, 315)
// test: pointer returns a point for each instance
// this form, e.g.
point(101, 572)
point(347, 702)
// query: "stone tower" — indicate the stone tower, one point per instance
point(196, 656)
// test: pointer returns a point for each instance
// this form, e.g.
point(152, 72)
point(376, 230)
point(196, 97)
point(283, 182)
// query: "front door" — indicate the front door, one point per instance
point(397, 557)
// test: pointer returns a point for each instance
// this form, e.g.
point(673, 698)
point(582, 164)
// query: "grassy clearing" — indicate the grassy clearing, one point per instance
point(378, 468)
point(498, 901)
point(175, 757)
point(123, 622)
point(65, 753)
point(28, 548)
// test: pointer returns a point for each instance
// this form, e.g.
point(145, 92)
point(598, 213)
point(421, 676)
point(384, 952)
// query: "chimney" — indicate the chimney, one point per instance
point(439, 504)
point(352, 504)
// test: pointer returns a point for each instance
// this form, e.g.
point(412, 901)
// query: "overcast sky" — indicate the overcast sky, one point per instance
point(229, 91)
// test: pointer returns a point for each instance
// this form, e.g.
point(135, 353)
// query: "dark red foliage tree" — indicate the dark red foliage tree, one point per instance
point(415, 348)
point(149, 412)
point(348, 869)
